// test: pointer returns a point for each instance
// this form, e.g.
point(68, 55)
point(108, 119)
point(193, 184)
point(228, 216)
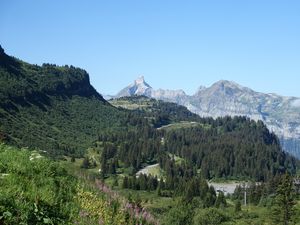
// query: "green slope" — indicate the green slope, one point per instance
point(36, 190)
point(51, 107)
point(159, 113)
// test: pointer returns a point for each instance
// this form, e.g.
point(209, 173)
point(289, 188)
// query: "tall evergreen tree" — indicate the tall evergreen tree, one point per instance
point(125, 182)
point(238, 206)
point(86, 163)
point(284, 205)
point(221, 201)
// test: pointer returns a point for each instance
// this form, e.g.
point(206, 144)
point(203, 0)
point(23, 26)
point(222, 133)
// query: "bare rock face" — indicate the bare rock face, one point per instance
point(138, 87)
point(226, 98)
point(281, 114)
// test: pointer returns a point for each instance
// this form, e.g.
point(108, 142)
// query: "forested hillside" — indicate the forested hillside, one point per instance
point(56, 112)
point(227, 147)
point(53, 108)
point(232, 147)
point(159, 113)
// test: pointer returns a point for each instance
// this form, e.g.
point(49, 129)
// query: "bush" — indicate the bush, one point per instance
point(211, 216)
point(180, 214)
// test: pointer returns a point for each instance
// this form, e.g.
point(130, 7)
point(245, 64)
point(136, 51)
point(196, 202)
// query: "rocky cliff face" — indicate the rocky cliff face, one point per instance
point(138, 87)
point(141, 87)
point(281, 114)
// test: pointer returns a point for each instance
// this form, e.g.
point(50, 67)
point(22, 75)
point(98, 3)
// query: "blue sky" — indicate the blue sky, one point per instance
point(174, 44)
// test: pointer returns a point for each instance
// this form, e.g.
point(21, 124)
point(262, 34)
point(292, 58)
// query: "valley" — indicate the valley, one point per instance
point(68, 156)
point(149, 112)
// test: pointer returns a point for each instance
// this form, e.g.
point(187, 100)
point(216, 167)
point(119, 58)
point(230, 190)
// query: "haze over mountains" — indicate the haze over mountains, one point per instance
point(281, 114)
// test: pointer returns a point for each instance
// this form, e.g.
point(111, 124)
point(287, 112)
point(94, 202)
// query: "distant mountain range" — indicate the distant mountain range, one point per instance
point(55, 109)
point(281, 114)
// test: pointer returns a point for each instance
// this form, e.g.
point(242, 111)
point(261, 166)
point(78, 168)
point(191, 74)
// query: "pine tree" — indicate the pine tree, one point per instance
point(115, 183)
point(158, 191)
point(210, 197)
point(283, 209)
point(125, 183)
point(221, 201)
point(86, 163)
point(238, 206)
point(112, 168)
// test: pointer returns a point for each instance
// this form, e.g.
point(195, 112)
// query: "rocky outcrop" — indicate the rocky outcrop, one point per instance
point(141, 87)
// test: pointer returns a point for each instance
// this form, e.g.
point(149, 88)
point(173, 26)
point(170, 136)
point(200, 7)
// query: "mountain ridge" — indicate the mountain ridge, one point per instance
point(50, 107)
point(49, 111)
point(227, 98)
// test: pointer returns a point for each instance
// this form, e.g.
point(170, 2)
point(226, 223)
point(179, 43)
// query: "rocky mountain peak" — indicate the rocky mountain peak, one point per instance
point(138, 87)
point(222, 84)
point(140, 80)
point(227, 88)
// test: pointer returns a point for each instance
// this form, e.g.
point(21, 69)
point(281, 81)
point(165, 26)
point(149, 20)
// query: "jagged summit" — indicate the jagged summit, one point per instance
point(140, 81)
point(141, 87)
point(138, 87)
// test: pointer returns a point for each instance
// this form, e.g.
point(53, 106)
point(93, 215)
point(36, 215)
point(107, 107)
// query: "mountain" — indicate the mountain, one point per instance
point(233, 147)
point(140, 87)
point(53, 108)
point(226, 98)
point(280, 114)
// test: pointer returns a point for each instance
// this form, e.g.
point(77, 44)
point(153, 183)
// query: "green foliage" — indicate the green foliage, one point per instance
point(180, 214)
point(283, 209)
point(133, 147)
point(95, 209)
point(34, 190)
point(209, 216)
point(159, 112)
point(221, 200)
point(231, 147)
point(143, 182)
point(53, 108)
point(238, 206)
point(210, 197)
point(86, 164)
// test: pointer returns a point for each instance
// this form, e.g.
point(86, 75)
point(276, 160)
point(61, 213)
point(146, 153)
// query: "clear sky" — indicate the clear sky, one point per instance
point(174, 44)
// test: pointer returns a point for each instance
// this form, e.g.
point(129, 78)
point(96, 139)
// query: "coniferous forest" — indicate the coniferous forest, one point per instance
point(67, 156)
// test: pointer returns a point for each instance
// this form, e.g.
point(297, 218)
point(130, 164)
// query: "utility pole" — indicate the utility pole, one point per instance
point(245, 195)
